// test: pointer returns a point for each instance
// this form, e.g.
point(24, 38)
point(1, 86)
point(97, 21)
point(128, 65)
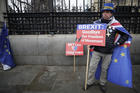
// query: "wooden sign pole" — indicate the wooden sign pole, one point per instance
point(74, 63)
point(87, 69)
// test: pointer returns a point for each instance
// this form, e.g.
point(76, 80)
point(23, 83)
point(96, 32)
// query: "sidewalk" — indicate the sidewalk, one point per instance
point(55, 79)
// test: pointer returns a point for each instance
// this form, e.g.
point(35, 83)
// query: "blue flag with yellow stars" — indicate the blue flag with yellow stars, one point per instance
point(120, 70)
point(6, 57)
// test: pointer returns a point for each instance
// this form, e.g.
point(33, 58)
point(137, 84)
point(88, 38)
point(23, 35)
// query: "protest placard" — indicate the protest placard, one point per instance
point(91, 34)
point(74, 49)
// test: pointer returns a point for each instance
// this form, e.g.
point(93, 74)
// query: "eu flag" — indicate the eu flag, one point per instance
point(120, 70)
point(6, 57)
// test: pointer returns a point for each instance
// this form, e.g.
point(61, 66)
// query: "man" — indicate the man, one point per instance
point(105, 53)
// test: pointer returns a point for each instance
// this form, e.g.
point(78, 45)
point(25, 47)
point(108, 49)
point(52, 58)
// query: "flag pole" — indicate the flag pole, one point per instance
point(74, 62)
point(74, 59)
point(87, 68)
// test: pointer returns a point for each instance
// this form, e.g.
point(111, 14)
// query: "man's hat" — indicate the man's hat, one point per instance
point(108, 6)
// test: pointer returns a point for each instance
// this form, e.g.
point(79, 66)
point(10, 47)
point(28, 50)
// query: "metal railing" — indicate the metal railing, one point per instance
point(31, 17)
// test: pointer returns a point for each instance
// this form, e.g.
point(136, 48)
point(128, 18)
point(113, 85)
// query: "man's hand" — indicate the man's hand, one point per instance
point(88, 46)
point(117, 44)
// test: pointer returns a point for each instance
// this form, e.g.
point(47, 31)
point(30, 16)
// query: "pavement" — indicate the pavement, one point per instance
point(56, 79)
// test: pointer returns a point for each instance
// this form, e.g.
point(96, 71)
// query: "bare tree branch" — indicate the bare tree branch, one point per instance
point(25, 3)
point(12, 1)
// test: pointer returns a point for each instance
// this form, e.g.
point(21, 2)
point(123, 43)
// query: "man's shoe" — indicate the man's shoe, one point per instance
point(103, 88)
point(88, 86)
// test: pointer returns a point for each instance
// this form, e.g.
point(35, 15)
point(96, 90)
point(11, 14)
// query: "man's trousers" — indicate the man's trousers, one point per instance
point(95, 59)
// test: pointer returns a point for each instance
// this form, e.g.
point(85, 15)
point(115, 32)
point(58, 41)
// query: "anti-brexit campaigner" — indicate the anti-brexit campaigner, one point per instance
point(116, 36)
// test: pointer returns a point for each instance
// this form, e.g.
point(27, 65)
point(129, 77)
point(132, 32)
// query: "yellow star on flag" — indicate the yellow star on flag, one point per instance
point(9, 53)
point(127, 81)
point(115, 60)
point(125, 46)
point(122, 54)
point(7, 50)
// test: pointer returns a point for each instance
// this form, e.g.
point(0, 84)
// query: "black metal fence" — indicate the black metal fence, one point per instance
point(49, 23)
point(31, 20)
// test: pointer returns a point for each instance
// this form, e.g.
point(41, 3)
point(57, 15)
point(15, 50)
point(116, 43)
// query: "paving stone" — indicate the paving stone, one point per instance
point(55, 79)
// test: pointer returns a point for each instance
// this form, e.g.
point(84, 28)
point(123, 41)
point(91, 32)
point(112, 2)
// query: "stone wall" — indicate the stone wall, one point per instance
point(50, 50)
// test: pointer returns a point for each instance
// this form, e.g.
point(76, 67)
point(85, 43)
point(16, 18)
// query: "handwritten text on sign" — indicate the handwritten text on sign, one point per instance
point(92, 34)
point(74, 49)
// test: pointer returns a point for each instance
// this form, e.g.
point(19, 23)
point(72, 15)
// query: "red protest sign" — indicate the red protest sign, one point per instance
point(92, 34)
point(74, 49)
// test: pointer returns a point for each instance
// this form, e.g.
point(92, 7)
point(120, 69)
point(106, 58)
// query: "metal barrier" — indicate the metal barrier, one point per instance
point(49, 23)
point(63, 23)
point(32, 18)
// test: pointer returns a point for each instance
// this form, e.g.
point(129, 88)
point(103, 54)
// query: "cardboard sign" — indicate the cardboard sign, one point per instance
point(74, 49)
point(91, 34)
